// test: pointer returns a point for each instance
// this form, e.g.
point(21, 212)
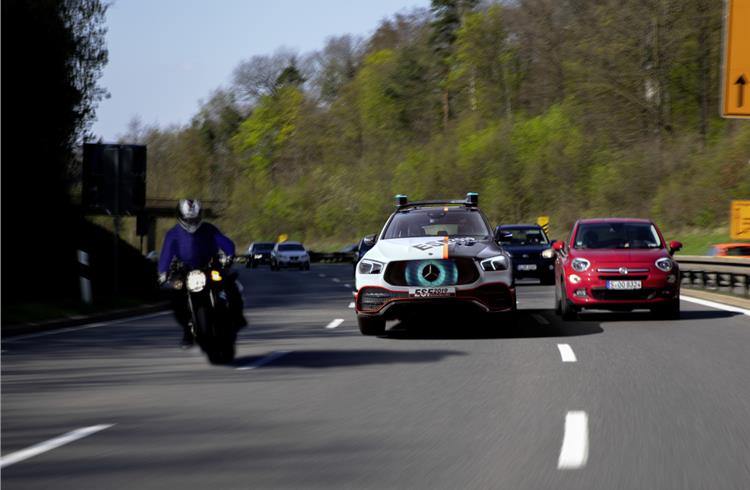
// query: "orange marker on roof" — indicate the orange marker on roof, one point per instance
point(445, 247)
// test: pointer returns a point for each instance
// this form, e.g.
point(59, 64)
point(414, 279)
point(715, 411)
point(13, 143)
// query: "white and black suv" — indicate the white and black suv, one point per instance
point(432, 255)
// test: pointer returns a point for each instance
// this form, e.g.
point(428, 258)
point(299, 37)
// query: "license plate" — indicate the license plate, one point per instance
point(526, 267)
point(623, 284)
point(431, 292)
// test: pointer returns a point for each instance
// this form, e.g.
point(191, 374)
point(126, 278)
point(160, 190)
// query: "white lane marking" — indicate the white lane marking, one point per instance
point(85, 327)
point(566, 353)
point(713, 304)
point(335, 323)
point(45, 446)
point(264, 360)
point(351, 305)
point(540, 319)
point(321, 275)
point(336, 279)
point(348, 286)
point(575, 446)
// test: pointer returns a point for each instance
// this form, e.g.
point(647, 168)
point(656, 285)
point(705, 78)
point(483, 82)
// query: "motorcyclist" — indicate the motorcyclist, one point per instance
point(194, 243)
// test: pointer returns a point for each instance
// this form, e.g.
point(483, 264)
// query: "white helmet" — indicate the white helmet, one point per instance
point(190, 214)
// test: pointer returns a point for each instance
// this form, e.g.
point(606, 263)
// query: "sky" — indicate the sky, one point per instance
point(165, 56)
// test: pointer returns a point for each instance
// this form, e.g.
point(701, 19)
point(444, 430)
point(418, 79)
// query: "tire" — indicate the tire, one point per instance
point(568, 312)
point(368, 325)
point(307, 266)
point(558, 305)
point(668, 311)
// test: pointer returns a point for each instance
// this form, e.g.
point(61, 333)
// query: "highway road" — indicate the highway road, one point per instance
point(612, 401)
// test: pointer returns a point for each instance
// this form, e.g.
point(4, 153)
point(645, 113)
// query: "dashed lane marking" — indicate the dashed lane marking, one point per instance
point(335, 323)
point(575, 446)
point(321, 275)
point(264, 360)
point(336, 279)
point(348, 286)
point(45, 446)
point(351, 305)
point(566, 353)
point(540, 319)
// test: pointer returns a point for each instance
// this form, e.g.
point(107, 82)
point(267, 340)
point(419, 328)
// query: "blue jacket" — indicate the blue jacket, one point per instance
point(193, 249)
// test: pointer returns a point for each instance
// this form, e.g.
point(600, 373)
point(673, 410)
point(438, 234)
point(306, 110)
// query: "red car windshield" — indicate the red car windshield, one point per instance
point(616, 235)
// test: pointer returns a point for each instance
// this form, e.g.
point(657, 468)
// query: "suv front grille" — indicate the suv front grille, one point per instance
point(450, 272)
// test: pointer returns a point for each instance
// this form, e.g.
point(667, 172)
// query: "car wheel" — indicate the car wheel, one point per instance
point(669, 311)
point(371, 325)
point(558, 307)
point(567, 310)
point(307, 266)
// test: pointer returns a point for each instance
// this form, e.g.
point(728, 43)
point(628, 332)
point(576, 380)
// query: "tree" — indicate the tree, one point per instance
point(53, 53)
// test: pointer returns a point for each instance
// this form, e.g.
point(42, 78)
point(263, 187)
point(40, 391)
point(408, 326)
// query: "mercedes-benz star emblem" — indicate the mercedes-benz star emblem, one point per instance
point(430, 273)
point(623, 270)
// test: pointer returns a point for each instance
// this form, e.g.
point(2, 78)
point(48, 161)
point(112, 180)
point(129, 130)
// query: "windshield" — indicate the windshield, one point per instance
point(263, 247)
point(291, 248)
point(522, 236)
point(438, 222)
point(617, 235)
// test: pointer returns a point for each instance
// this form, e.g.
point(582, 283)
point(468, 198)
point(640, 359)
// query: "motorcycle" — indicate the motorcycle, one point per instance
point(207, 301)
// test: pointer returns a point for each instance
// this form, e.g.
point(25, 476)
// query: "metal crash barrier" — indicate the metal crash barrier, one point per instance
point(727, 275)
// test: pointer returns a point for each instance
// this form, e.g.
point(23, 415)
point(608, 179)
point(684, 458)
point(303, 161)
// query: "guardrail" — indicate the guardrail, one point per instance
point(715, 273)
point(330, 257)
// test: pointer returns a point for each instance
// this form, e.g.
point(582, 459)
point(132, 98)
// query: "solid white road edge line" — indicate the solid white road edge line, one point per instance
point(45, 446)
point(713, 304)
point(335, 323)
point(566, 353)
point(540, 319)
point(85, 327)
point(264, 360)
point(351, 305)
point(575, 446)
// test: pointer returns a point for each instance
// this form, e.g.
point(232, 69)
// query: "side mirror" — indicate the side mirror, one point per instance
point(369, 240)
point(675, 246)
point(558, 245)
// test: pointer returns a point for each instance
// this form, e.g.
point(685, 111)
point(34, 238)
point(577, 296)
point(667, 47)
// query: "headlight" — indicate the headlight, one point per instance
point(548, 254)
point(258, 256)
point(580, 265)
point(664, 264)
point(196, 281)
point(367, 266)
point(499, 263)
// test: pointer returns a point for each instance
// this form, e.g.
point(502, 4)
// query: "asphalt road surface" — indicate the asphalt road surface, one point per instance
point(611, 401)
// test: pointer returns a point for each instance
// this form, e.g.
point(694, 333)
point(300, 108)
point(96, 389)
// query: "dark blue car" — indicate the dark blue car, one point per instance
point(525, 243)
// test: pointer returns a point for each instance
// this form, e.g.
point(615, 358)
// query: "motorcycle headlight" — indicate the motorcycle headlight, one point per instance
point(664, 264)
point(498, 263)
point(580, 265)
point(196, 281)
point(367, 266)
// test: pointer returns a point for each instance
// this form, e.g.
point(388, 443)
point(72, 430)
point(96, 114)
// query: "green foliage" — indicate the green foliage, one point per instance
point(567, 109)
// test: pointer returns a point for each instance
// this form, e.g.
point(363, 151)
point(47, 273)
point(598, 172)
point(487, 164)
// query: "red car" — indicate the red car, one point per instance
point(616, 264)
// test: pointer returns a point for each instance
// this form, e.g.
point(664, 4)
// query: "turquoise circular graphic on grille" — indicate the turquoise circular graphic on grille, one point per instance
point(431, 273)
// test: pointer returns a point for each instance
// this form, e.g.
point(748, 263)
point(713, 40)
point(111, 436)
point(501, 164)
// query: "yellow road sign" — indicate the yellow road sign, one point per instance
point(543, 221)
point(739, 220)
point(735, 93)
point(282, 238)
